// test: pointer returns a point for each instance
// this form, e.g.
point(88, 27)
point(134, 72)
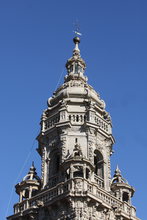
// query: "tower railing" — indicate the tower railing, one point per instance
point(99, 181)
point(76, 118)
point(75, 187)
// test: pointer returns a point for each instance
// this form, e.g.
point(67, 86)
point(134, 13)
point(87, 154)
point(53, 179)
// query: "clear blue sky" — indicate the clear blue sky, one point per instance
point(35, 42)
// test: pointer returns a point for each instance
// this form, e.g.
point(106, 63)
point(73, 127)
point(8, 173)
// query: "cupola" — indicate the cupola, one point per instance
point(75, 65)
point(120, 187)
point(29, 186)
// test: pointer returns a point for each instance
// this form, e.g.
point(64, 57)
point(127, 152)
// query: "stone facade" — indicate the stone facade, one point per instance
point(75, 145)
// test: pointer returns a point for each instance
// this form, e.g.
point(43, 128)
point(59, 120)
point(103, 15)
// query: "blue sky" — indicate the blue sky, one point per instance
point(35, 42)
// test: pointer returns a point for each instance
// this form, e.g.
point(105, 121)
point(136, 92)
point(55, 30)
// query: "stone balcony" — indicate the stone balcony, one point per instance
point(76, 187)
point(76, 119)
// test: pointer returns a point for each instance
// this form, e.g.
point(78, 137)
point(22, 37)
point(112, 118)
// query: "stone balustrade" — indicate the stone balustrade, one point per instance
point(63, 117)
point(99, 181)
point(77, 119)
point(75, 187)
point(49, 123)
point(101, 123)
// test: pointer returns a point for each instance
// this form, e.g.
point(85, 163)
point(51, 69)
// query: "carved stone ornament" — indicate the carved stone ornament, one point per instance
point(39, 203)
point(78, 185)
point(77, 152)
point(76, 83)
point(102, 144)
point(63, 147)
point(90, 151)
point(99, 146)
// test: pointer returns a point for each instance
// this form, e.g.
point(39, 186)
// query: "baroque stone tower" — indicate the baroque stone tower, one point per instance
point(75, 145)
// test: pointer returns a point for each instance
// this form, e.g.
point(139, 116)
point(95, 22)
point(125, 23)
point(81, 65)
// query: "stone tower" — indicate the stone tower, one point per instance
point(75, 145)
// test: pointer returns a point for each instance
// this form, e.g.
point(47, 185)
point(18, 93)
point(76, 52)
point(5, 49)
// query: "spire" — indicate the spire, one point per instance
point(32, 169)
point(117, 171)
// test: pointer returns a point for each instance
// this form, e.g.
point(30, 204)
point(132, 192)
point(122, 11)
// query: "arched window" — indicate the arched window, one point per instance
point(99, 164)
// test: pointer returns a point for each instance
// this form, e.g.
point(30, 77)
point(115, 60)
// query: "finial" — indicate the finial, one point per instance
point(32, 173)
point(117, 171)
point(117, 168)
point(76, 50)
point(118, 177)
point(32, 168)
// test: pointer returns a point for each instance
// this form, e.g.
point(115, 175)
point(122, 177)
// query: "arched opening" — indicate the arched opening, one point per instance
point(34, 192)
point(78, 171)
point(54, 164)
point(99, 164)
point(125, 197)
point(57, 163)
point(26, 193)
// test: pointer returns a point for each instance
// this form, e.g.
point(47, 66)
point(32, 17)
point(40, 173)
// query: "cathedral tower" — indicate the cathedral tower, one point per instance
point(75, 145)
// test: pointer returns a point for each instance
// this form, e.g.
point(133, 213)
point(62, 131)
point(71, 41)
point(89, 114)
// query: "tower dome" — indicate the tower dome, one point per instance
point(32, 175)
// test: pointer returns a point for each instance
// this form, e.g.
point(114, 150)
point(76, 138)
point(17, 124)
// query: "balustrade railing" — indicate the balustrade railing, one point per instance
point(49, 123)
point(99, 181)
point(77, 118)
point(73, 118)
point(75, 187)
point(101, 123)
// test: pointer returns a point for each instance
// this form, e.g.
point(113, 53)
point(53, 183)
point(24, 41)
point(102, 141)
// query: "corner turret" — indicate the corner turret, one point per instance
point(29, 186)
point(120, 187)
